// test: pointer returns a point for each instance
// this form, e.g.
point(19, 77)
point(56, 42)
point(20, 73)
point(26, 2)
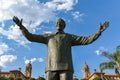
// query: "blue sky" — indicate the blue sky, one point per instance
point(83, 18)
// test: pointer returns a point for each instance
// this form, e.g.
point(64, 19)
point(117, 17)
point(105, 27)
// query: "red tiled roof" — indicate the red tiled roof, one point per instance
point(4, 73)
point(17, 71)
point(14, 71)
point(108, 76)
point(112, 75)
point(99, 73)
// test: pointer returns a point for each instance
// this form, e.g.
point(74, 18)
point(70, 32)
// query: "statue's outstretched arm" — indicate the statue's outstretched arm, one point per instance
point(82, 40)
point(31, 37)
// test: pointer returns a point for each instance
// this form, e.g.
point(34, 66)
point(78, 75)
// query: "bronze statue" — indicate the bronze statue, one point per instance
point(59, 59)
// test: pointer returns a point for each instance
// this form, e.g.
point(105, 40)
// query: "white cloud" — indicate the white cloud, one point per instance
point(32, 60)
point(33, 13)
point(47, 31)
point(3, 48)
point(100, 50)
point(7, 60)
point(77, 15)
point(40, 59)
point(13, 33)
point(61, 4)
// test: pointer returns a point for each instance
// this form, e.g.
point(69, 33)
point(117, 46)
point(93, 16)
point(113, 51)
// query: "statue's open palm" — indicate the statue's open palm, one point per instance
point(17, 21)
point(104, 26)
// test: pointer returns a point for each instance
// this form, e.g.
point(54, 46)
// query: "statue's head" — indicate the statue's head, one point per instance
point(60, 24)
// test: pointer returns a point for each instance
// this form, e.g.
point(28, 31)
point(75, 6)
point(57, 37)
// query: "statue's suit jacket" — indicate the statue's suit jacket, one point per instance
point(59, 47)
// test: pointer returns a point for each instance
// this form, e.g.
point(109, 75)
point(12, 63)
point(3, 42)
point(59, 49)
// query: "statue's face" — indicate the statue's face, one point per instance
point(60, 25)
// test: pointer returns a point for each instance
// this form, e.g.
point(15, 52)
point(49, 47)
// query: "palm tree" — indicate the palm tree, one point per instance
point(114, 61)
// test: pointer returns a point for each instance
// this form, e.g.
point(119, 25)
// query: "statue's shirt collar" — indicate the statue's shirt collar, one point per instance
point(60, 32)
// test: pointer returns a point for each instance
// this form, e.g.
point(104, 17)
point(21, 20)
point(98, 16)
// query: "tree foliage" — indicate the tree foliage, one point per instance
point(32, 79)
point(40, 78)
point(18, 79)
point(114, 61)
point(10, 78)
point(3, 78)
point(75, 78)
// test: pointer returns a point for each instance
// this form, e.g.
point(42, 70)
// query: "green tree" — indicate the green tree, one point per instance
point(40, 78)
point(3, 78)
point(32, 79)
point(114, 61)
point(82, 79)
point(10, 78)
point(75, 78)
point(18, 79)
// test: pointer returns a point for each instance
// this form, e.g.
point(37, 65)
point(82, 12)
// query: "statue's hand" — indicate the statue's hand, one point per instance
point(17, 21)
point(103, 26)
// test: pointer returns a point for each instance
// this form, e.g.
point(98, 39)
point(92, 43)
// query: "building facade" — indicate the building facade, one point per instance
point(86, 71)
point(97, 74)
point(17, 73)
point(13, 73)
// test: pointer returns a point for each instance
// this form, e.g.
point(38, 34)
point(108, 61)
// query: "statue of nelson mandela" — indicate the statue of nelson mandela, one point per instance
point(59, 64)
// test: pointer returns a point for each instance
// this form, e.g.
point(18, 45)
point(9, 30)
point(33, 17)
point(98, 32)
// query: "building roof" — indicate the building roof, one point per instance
point(15, 71)
point(86, 67)
point(107, 76)
point(112, 75)
point(18, 71)
point(5, 73)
